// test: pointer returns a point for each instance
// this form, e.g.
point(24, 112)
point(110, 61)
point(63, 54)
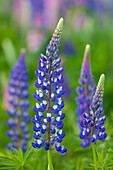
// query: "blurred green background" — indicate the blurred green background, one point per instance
point(30, 24)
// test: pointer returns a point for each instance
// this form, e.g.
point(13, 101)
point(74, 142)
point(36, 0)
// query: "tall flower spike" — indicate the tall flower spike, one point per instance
point(85, 92)
point(48, 120)
point(93, 128)
point(96, 113)
point(18, 90)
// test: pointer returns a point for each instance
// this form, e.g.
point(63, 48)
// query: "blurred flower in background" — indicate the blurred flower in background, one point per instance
point(37, 13)
point(43, 14)
point(68, 48)
point(19, 104)
point(51, 13)
point(37, 10)
point(35, 39)
point(81, 21)
point(21, 12)
point(85, 94)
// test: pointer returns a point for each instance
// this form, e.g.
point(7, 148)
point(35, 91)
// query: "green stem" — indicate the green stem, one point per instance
point(50, 166)
point(94, 156)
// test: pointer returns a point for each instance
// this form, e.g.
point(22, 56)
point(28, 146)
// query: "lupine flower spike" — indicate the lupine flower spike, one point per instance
point(96, 113)
point(93, 127)
point(85, 92)
point(18, 90)
point(48, 119)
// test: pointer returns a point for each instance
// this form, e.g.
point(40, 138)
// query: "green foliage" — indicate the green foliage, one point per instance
point(104, 160)
point(18, 160)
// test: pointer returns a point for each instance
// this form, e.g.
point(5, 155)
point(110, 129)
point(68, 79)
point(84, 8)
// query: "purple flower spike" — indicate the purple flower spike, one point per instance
point(48, 109)
point(87, 88)
point(85, 92)
point(93, 128)
point(96, 113)
point(18, 90)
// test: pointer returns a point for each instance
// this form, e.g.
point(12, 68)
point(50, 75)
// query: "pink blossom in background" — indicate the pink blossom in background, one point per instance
point(80, 2)
point(51, 13)
point(80, 20)
point(45, 13)
point(37, 20)
point(21, 12)
point(34, 40)
point(37, 8)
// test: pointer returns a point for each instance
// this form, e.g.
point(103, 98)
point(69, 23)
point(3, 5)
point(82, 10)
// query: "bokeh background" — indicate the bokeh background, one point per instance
point(30, 24)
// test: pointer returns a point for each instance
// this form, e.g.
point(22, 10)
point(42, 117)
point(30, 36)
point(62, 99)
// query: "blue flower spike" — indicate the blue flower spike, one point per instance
point(18, 112)
point(48, 119)
point(93, 128)
point(96, 113)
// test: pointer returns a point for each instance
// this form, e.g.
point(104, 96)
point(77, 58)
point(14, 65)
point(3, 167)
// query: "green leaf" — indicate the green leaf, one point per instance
point(8, 167)
point(17, 159)
point(20, 154)
point(30, 156)
point(110, 153)
point(109, 164)
point(97, 165)
point(27, 153)
point(14, 151)
point(6, 158)
point(10, 164)
point(100, 157)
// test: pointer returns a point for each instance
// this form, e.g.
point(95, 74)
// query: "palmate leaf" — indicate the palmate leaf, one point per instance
point(28, 153)
point(15, 154)
point(7, 160)
point(8, 163)
point(17, 159)
point(31, 155)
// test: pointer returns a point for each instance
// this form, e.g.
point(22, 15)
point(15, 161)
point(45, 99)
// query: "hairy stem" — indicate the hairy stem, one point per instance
point(87, 94)
point(18, 130)
point(18, 122)
point(48, 107)
point(48, 124)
